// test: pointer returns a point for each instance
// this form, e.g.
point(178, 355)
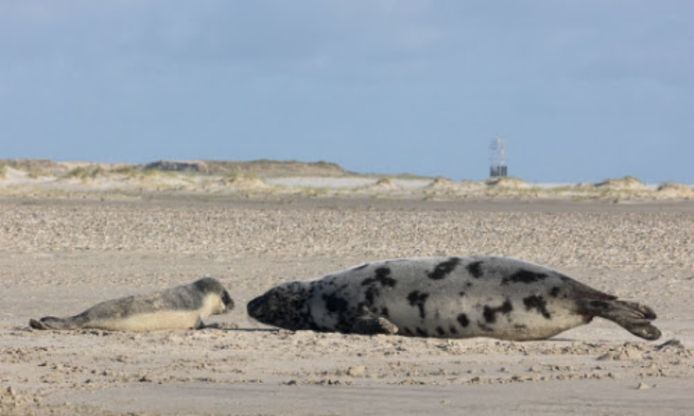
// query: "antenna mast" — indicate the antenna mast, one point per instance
point(497, 158)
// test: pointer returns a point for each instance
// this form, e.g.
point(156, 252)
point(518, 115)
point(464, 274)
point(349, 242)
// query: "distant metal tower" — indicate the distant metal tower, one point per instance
point(497, 158)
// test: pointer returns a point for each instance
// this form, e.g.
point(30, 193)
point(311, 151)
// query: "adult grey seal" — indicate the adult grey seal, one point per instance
point(181, 307)
point(447, 297)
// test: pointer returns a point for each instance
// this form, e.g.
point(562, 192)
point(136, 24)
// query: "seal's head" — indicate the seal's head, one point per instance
point(285, 306)
point(211, 286)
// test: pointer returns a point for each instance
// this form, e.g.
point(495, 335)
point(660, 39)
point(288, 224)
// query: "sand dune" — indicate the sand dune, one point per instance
point(320, 179)
point(627, 183)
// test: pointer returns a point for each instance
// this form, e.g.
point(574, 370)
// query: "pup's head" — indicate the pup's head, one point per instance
point(209, 285)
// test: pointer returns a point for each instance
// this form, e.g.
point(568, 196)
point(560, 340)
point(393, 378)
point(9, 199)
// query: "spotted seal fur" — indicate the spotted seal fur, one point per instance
point(447, 297)
point(181, 307)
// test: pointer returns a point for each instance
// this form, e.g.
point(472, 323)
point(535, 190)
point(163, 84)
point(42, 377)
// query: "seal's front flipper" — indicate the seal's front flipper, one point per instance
point(373, 325)
point(199, 324)
point(632, 316)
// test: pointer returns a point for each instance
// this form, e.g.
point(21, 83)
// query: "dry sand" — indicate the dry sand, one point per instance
point(61, 256)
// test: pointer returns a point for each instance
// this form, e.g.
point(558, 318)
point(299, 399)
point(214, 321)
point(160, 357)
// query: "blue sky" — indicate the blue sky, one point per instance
point(580, 90)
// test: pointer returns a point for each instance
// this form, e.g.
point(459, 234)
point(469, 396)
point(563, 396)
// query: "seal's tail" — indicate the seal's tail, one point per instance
point(634, 317)
point(51, 322)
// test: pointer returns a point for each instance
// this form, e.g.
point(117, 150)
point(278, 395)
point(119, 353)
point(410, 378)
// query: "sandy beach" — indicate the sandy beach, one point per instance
point(62, 255)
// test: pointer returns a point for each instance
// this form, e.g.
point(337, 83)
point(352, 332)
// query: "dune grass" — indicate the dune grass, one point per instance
point(86, 172)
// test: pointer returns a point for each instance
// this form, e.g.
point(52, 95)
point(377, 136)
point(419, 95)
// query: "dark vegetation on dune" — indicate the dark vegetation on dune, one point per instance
point(258, 168)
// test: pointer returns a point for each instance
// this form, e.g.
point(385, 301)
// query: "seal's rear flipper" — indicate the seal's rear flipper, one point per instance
point(373, 325)
point(36, 324)
point(632, 316)
point(50, 322)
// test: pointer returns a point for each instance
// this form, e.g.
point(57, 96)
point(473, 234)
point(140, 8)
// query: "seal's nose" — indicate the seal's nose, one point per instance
point(228, 301)
point(255, 305)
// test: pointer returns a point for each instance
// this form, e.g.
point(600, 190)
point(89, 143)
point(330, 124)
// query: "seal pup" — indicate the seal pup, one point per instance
point(447, 297)
point(180, 307)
